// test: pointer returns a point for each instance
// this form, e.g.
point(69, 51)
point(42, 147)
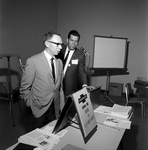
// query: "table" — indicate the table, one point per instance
point(105, 138)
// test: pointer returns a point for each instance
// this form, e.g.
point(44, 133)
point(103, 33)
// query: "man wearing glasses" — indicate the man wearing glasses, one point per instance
point(41, 84)
point(74, 64)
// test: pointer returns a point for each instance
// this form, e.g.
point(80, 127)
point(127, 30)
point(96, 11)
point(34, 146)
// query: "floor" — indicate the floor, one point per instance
point(134, 139)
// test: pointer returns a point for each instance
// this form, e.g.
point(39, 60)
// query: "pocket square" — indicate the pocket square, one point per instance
point(75, 61)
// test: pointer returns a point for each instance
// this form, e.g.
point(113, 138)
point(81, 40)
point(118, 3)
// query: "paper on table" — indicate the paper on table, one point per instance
point(121, 109)
point(39, 138)
point(103, 109)
point(114, 122)
point(50, 129)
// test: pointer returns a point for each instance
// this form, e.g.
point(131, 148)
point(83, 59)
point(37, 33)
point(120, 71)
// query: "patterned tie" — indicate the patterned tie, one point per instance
point(53, 68)
point(64, 61)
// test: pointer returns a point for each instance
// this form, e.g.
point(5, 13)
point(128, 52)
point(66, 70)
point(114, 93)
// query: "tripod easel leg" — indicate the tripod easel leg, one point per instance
point(106, 90)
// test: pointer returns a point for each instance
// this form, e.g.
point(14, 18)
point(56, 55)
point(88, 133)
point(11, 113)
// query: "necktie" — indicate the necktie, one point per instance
point(64, 62)
point(53, 68)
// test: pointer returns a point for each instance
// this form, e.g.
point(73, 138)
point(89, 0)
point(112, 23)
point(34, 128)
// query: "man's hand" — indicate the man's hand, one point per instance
point(89, 88)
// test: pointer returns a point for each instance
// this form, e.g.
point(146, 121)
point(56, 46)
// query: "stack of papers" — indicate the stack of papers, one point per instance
point(103, 109)
point(42, 138)
point(117, 110)
point(121, 111)
point(117, 115)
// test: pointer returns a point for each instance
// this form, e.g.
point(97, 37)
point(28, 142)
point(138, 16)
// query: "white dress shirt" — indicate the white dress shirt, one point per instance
point(68, 59)
point(48, 56)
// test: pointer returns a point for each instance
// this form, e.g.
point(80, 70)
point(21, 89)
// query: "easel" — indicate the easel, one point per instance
point(107, 88)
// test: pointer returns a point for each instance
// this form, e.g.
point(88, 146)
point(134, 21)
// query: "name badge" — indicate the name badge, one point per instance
point(75, 61)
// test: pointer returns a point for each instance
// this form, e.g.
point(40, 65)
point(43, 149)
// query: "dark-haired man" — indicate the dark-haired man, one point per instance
point(74, 67)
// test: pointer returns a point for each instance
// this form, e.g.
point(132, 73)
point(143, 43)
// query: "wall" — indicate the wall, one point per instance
point(119, 18)
point(22, 26)
point(23, 23)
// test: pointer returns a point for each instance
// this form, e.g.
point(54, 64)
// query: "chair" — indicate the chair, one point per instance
point(12, 94)
point(4, 86)
point(10, 98)
point(132, 99)
point(6, 96)
point(140, 91)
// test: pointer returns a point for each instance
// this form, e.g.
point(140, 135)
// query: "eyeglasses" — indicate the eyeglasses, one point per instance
point(56, 43)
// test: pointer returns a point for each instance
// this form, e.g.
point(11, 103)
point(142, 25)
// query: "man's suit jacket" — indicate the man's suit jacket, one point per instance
point(38, 88)
point(75, 75)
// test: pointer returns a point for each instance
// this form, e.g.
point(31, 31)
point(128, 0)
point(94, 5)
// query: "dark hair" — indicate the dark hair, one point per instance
point(75, 33)
point(49, 35)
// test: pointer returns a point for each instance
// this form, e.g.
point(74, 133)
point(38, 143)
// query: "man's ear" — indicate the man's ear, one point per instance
point(47, 43)
point(67, 40)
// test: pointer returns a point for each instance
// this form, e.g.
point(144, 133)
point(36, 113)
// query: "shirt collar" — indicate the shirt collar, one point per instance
point(67, 49)
point(48, 56)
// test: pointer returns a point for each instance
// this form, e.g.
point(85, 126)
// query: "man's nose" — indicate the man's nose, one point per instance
point(74, 43)
point(60, 46)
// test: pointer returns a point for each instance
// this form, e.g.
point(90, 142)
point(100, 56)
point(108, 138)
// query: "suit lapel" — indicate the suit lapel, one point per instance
point(46, 64)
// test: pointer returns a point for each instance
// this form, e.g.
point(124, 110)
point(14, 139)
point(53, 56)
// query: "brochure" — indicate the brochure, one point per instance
point(115, 122)
point(40, 138)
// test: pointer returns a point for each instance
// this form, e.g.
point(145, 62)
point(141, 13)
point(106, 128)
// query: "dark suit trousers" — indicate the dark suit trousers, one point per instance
point(47, 117)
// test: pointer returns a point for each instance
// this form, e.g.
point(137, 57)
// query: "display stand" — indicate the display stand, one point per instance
point(79, 105)
point(107, 87)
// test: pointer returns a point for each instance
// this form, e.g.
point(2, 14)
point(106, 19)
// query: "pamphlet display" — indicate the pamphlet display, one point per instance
point(78, 106)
